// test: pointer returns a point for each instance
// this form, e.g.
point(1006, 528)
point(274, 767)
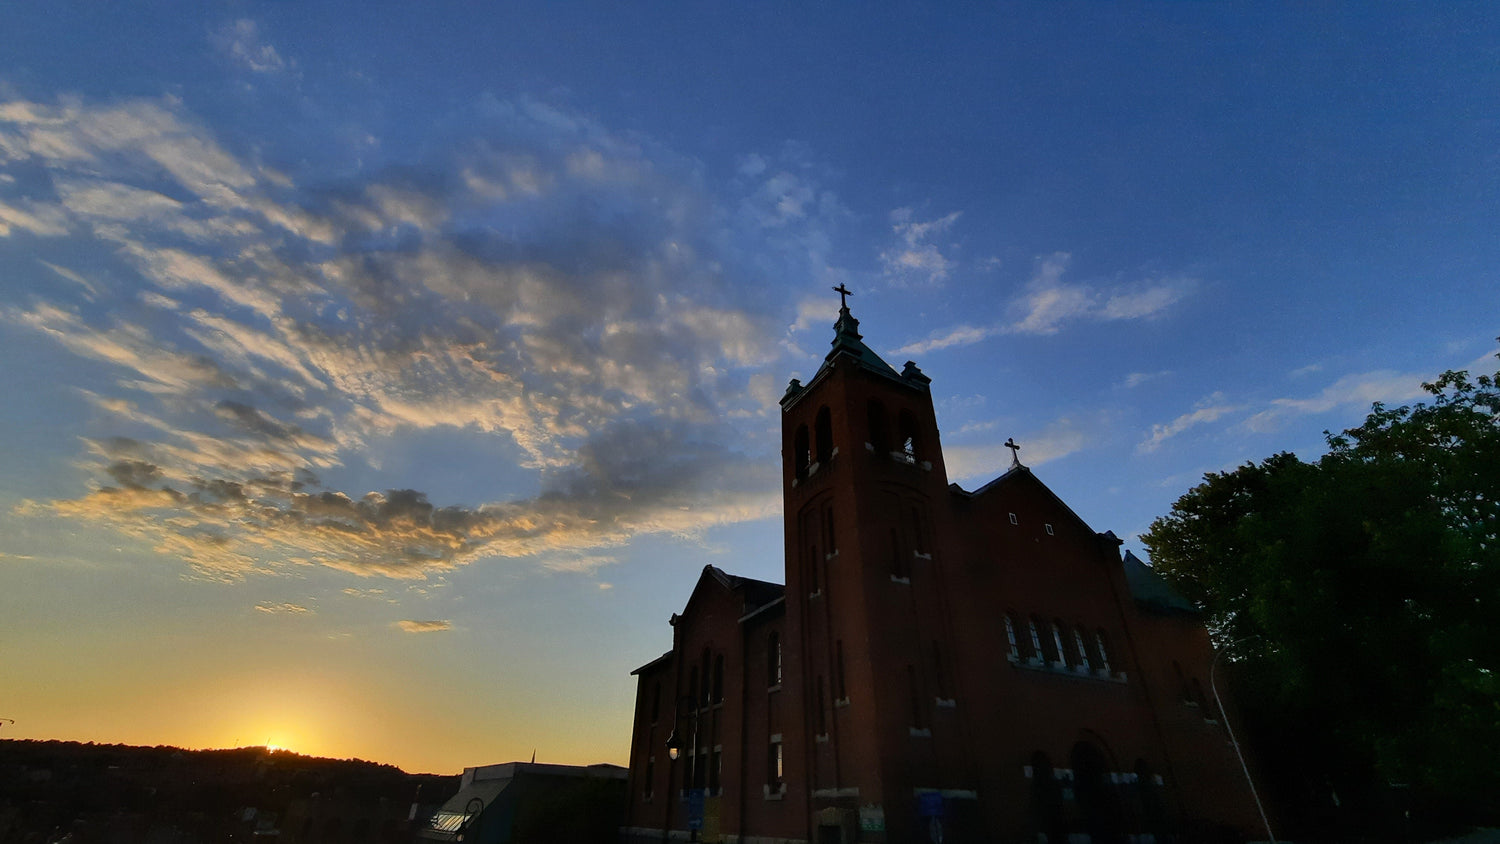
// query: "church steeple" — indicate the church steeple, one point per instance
point(849, 343)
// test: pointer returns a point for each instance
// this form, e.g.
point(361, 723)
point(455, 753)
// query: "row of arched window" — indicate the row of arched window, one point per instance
point(1057, 645)
point(815, 448)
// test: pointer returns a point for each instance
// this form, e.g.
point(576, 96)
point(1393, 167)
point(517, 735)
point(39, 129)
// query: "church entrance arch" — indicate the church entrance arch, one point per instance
point(1098, 798)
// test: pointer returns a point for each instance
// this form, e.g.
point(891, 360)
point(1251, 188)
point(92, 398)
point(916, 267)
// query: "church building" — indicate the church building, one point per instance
point(941, 665)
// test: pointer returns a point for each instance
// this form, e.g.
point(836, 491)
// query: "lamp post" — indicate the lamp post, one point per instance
point(674, 750)
point(473, 812)
point(1218, 701)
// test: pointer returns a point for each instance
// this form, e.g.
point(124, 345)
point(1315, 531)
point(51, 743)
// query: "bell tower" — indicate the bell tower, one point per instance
point(863, 483)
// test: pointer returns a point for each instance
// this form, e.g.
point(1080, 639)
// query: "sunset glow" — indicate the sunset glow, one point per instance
point(379, 378)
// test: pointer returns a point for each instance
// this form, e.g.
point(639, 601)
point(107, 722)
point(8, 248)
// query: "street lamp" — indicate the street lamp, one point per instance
point(473, 811)
point(1235, 742)
point(674, 750)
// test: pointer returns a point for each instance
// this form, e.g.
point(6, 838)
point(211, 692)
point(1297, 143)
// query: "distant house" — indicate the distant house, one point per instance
point(527, 803)
point(941, 665)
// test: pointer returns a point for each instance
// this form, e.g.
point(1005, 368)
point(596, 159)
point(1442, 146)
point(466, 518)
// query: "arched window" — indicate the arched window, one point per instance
point(1199, 699)
point(906, 436)
point(823, 435)
point(1064, 655)
point(1103, 651)
point(878, 427)
point(900, 560)
point(1046, 800)
point(1152, 811)
point(1083, 651)
point(773, 659)
point(1010, 638)
point(1036, 640)
point(800, 455)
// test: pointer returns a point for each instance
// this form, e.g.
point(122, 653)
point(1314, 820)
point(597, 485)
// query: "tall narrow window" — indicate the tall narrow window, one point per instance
point(773, 659)
point(814, 564)
point(719, 678)
point(775, 772)
point(1010, 638)
point(708, 690)
point(650, 775)
point(715, 769)
point(939, 676)
point(1057, 639)
point(917, 709)
point(900, 560)
point(918, 531)
point(1199, 699)
point(880, 437)
point(1103, 651)
point(1083, 651)
point(1036, 641)
point(823, 435)
point(800, 453)
point(693, 687)
point(822, 715)
point(839, 668)
point(906, 436)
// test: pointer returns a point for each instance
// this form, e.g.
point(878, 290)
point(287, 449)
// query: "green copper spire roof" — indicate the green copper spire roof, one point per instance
point(847, 341)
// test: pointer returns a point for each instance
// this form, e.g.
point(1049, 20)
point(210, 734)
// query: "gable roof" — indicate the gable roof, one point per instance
point(1017, 475)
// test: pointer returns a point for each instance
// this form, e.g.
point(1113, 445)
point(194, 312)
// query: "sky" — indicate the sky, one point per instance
point(379, 377)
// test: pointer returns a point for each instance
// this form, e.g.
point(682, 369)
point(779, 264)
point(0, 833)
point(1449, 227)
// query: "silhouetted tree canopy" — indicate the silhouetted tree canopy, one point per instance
point(1360, 595)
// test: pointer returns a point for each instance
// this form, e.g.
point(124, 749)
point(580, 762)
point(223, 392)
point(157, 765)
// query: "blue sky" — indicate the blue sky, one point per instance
point(378, 378)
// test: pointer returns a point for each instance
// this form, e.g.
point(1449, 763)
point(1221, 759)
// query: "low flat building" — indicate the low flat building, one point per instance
point(527, 803)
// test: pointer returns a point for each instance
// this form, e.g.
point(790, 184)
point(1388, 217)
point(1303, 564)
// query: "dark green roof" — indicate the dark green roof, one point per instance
point(848, 343)
point(1151, 591)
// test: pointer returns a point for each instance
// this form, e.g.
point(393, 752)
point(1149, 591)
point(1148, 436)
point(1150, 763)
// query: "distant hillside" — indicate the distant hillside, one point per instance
point(54, 791)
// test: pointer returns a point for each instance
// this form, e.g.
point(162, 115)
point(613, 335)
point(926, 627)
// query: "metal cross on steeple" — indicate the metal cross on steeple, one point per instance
point(843, 302)
point(1015, 452)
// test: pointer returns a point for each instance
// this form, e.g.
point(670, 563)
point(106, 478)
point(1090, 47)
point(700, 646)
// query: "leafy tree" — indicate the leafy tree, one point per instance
point(1360, 595)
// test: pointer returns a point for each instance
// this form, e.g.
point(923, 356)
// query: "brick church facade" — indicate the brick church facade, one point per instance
point(941, 665)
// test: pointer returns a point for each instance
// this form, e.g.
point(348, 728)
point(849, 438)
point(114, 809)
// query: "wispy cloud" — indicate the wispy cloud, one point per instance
point(983, 462)
point(915, 259)
point(411, 626)
point(1357, 390)
point(1049, 303)
point(1208, 409)
point(962, 335)
point(282, 609)
point(241, 42)
point(263, 332)
point(1136, 379)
